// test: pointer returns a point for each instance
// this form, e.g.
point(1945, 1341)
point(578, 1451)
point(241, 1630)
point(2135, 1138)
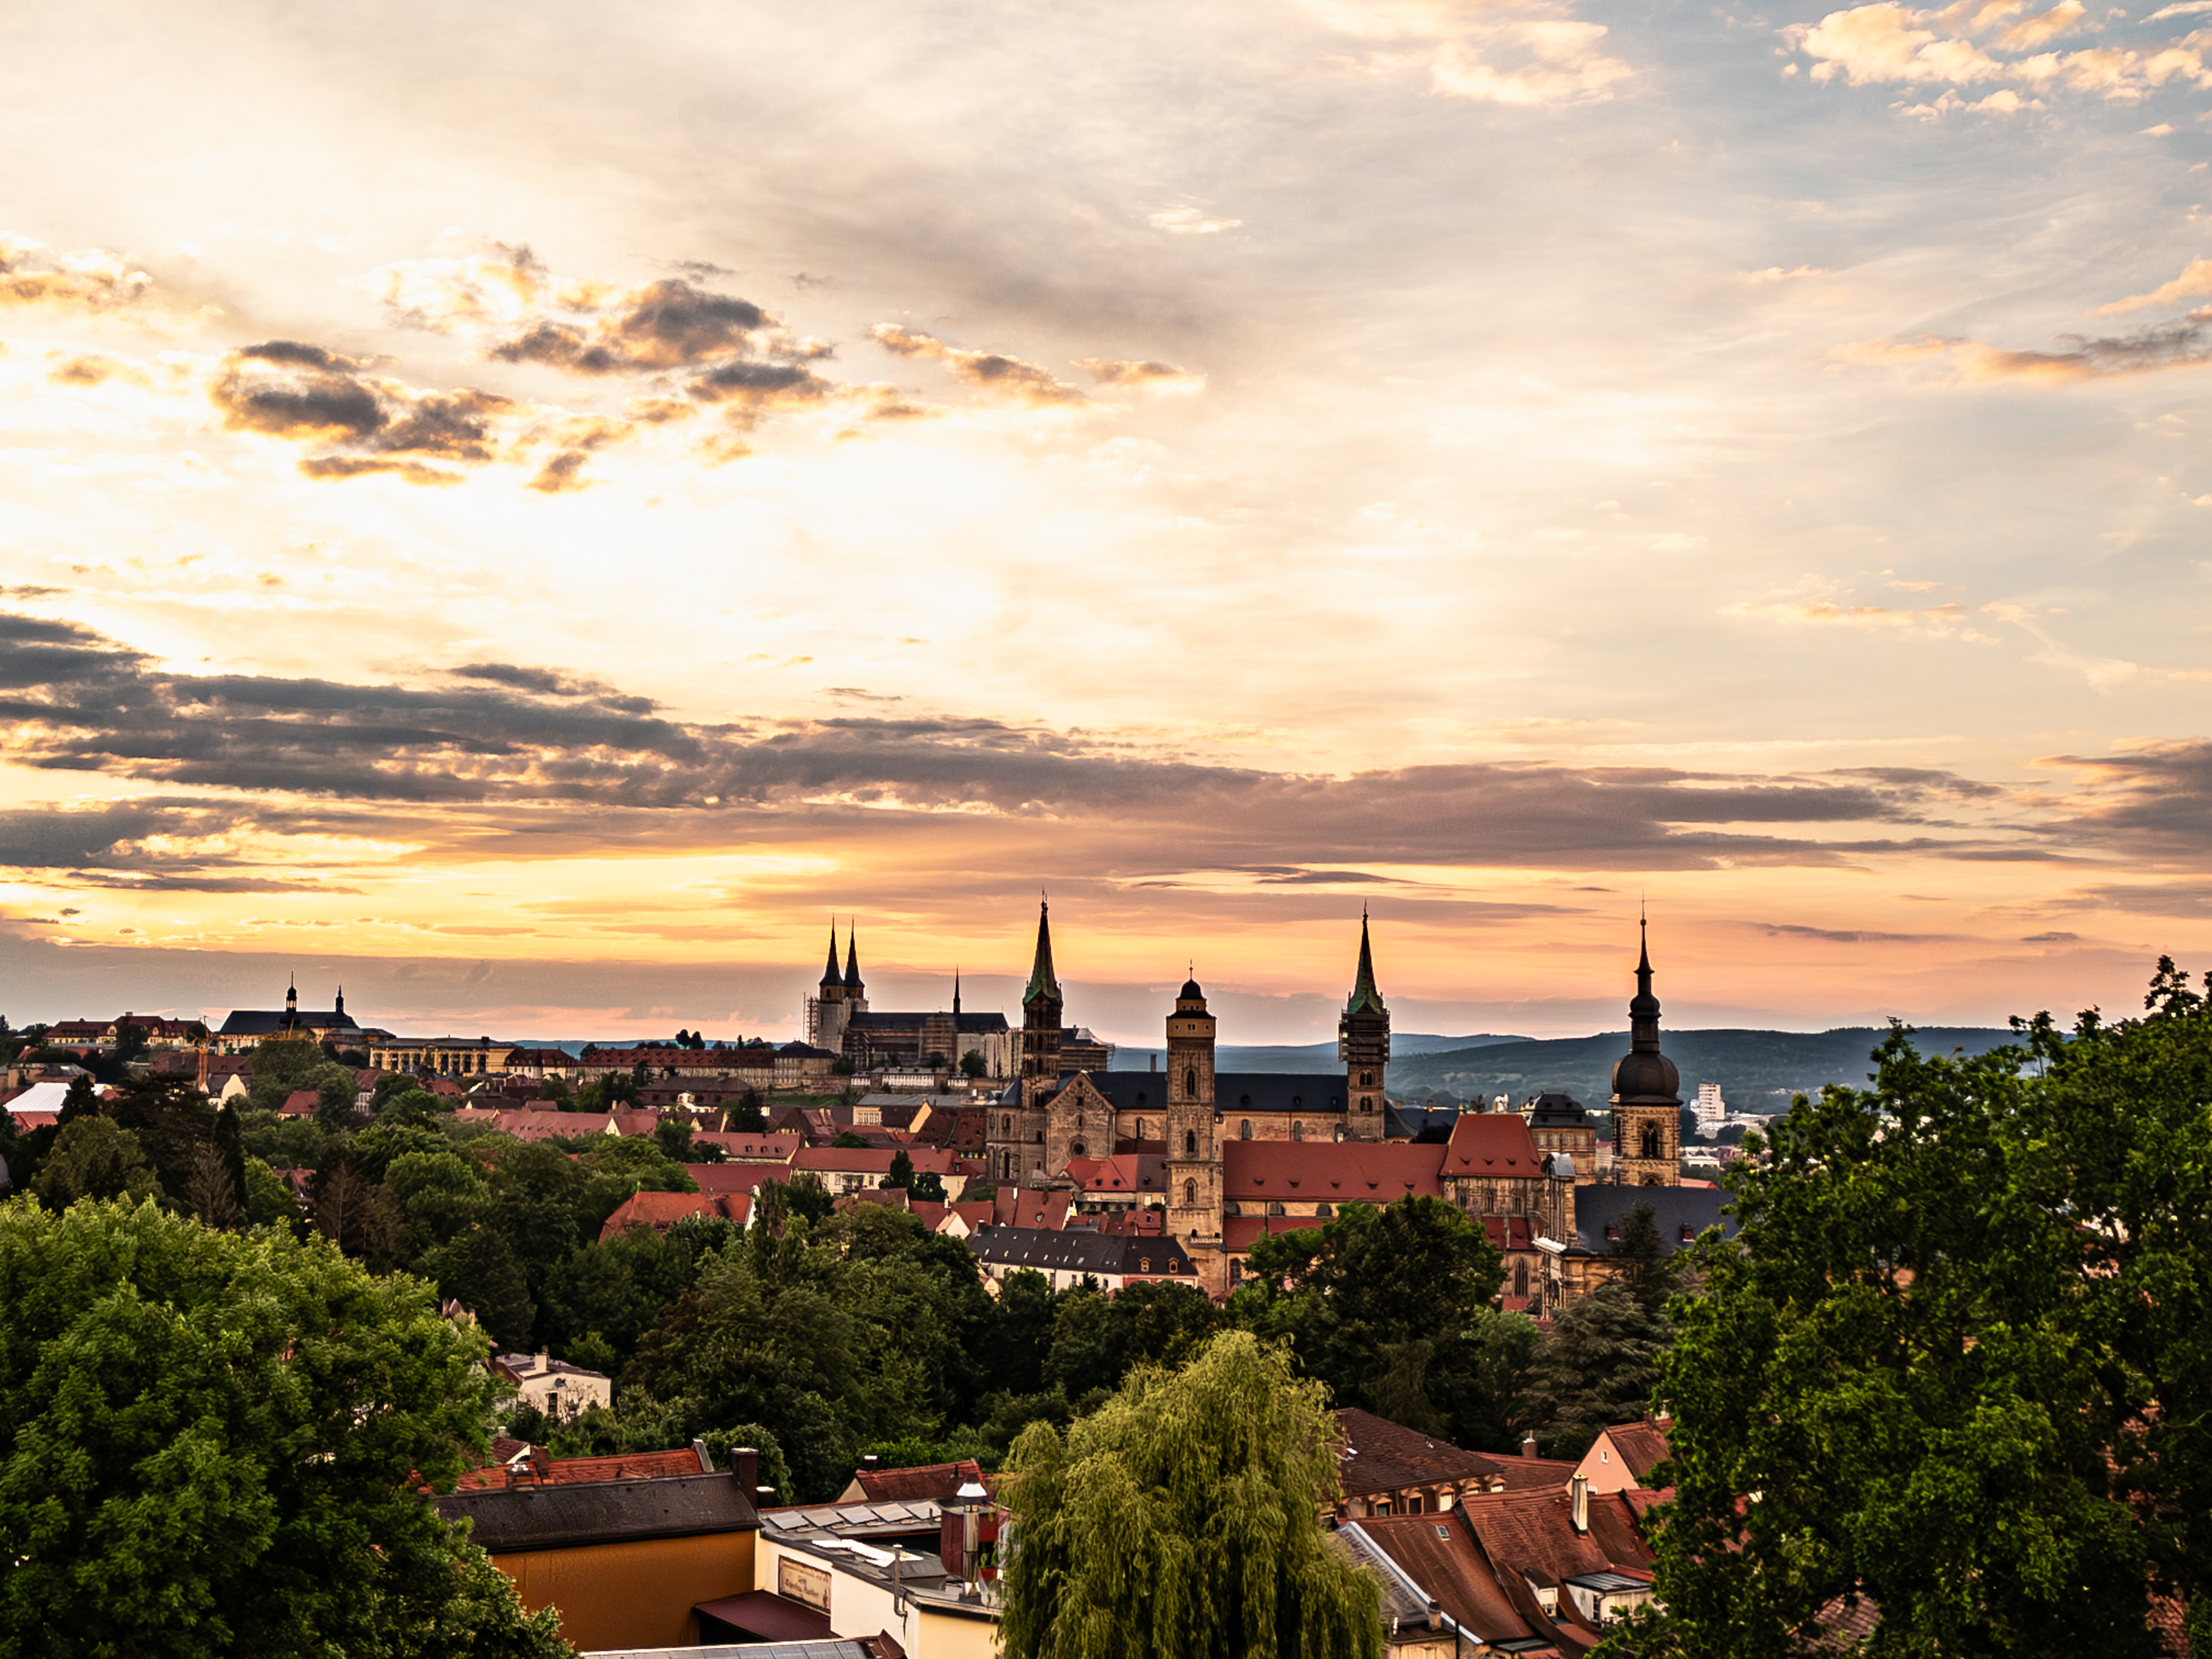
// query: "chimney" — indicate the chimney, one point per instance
point(1436, 1613)
point(745, 1463)
point(1529, 1444)
point(1579, 1499)
point(1152, 1062)
point(706, 1463)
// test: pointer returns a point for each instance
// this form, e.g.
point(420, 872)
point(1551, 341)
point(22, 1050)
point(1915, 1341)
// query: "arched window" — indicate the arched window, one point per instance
point(1244, 1130)
point(1006, 1125)
point(1367, 1079)
point(1140, 1129)
point(1190, 1143)
point(1190, 1194)
point(1325, 1212)
point(1651, 1144)
point(1520, 1279)
point(1190, 1083)
point(1297, 1132)
point(1143, 1264)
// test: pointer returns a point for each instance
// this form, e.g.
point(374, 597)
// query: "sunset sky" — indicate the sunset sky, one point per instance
point(530, 512)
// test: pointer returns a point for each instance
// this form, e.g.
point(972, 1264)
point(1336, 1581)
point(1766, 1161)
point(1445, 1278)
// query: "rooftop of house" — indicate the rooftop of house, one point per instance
point(1680, 1213)
point(1532, 1531)
point(1433, 1553)
point(735, 1177)
point(1379, 1455)
point(529, 1366)
point(1077, 1251)
point(933, 1482)
point(563, 1516)
point(1126, 1173)
point(1642, 1446)
point(661, 1211)
point(573, 1471)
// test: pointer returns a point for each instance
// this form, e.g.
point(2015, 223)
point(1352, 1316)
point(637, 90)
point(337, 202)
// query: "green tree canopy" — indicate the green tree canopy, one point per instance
point(95, 1158)
point(1958, 1362)
point(209, 1444)
point(1376, 1304)
point(1180, 1521)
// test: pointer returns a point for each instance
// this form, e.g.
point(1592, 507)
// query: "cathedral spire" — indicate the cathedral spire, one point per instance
point(852, 957)
point(829, 972)
point(1365, 998)
point(1042, 982)
point(955, 996)
point(1643, 1010)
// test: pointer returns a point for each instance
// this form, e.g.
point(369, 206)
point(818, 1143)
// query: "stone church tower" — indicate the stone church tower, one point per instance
point(1362, 1044)
point(1194, 1158)
point(1015, 1146)
point(1646, 1095)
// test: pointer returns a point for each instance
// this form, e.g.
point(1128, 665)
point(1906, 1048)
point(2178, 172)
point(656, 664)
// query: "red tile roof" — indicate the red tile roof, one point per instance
point(1642, 1446)
point(1379, 1455)
point(571, 1471)
point(1509, 1233)
point(1491, 1145)
point(661, 1211)
point(301, 1102)
point(927, 1482)
point(873, 1160)
point(1533, 1531)
point(734, 1177)
point(1440, 1556)
point(1329, 1172)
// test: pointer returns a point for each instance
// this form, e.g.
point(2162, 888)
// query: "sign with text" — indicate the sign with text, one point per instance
point(803, 1584)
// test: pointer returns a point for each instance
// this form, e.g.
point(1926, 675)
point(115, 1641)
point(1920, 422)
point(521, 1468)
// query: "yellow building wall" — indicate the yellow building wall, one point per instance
point(633, 1594)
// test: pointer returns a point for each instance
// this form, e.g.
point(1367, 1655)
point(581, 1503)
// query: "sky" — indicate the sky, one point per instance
point(531, 514)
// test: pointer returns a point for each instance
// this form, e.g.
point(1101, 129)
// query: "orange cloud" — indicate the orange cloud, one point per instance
point(987, 371)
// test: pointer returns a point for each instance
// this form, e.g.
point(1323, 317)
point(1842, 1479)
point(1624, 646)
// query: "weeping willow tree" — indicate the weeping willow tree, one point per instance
point(1181, 1521)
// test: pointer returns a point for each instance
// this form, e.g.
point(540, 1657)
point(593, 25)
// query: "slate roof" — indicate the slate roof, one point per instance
point(840, 1647)
point(1133, 1091)
point(1329, 1172)
point(1076, 1251)
point(1289, 1094)
point(543, 1517)
point(265, 1021)
point(1603, 1204)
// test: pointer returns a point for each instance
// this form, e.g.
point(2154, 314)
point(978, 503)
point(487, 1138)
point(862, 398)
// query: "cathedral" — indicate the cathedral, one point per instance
point(1238, 1155)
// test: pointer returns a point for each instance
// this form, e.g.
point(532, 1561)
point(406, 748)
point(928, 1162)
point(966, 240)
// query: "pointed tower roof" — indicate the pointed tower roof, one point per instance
point(1365, 998)
point(1644, 1073)
point(852, 958)
point(829, 972)
point(1042, 982)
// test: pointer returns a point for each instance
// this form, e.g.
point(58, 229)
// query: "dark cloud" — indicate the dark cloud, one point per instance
point(2144, 898)
point(503, 737)
point(158, 844)
point(670, 324)
point(551, 683)
point(319, 398)
point(2152, 802)
point(2052, 938)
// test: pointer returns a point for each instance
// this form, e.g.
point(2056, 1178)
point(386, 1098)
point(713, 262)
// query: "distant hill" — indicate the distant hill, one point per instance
point(1307, 1056)
point(1758, 1070)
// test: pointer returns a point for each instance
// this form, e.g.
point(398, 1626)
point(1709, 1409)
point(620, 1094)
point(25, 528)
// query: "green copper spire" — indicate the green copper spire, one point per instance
point(1365, 998)
point(1042, 983)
